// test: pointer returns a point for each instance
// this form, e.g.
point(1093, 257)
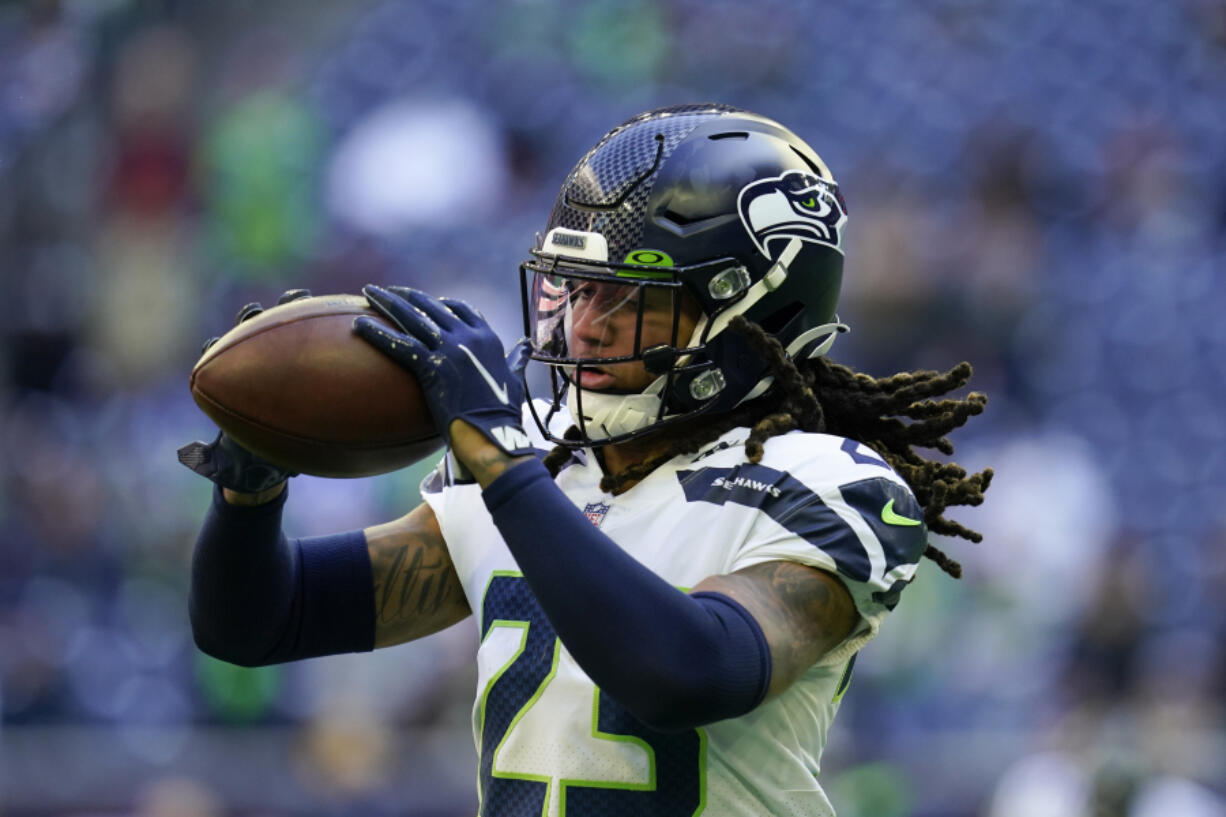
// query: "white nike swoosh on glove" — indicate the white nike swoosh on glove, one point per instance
point(499, 389)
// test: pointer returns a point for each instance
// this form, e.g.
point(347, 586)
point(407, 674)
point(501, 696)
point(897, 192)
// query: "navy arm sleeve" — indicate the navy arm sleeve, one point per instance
point(259, 598)
point(674, 660)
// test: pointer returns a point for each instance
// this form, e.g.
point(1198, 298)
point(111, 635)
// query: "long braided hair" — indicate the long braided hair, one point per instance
point(821, 396)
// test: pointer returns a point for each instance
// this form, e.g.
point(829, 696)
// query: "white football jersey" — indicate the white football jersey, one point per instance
point(551, 743)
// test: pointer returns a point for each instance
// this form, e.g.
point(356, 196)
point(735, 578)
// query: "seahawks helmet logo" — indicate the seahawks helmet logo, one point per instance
point(794, 205)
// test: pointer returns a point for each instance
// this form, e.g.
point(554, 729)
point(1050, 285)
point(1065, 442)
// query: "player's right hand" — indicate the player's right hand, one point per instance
point(458, 360)
point(224, 461)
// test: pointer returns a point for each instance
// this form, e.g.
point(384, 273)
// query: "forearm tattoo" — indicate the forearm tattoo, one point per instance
point(803, 612)
point(416, 588)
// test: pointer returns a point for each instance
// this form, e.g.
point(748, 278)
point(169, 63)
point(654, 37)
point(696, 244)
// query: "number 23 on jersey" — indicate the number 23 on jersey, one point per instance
point(551, 742)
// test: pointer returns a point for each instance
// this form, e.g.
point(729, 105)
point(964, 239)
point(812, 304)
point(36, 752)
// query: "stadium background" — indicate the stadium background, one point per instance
point(1034, 186)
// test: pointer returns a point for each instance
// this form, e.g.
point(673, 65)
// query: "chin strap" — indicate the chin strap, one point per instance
point(774, 278)
point(828, 331)
point(796, 351)
point(608, 415)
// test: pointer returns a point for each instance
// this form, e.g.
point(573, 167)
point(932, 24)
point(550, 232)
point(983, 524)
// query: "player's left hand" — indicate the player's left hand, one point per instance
point(224, 461)
point(458, 360)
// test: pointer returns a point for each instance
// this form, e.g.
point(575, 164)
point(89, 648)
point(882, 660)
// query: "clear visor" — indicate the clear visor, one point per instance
point(578, 315)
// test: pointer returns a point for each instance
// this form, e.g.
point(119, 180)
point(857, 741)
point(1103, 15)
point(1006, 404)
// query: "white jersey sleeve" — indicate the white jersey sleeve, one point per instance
point(833, 504)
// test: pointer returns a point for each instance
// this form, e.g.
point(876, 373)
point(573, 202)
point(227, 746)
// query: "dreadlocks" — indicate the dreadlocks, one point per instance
point(820, 396)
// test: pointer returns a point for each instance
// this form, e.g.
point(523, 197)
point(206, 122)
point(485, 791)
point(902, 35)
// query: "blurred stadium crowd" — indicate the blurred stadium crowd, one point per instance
point(1037, 187)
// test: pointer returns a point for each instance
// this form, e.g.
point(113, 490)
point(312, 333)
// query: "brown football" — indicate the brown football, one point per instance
point(297, 387)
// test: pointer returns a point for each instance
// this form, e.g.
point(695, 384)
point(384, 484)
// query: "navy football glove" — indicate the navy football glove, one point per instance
point(231, 466)
point(224, 461)
point(457, 359)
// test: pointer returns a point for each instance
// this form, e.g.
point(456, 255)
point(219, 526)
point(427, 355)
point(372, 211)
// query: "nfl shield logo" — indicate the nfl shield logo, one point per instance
point(595, 512)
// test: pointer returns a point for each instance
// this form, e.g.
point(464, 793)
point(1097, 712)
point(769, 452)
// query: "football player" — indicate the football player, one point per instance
point(674, 556)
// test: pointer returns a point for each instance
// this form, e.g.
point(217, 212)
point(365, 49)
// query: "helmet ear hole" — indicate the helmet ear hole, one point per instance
point(777, 320)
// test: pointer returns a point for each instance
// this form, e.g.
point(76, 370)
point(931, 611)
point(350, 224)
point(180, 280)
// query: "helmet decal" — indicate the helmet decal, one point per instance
point(794, 205)
point(649, 258)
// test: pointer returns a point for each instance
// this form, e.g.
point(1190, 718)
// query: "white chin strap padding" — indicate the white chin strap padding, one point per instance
point(608, 415)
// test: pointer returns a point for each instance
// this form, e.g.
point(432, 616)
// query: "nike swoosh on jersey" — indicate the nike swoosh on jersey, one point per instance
point(890, 518)
point(499, 389)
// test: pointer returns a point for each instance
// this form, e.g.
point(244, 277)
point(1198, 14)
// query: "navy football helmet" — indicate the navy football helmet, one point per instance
point(705, 210)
